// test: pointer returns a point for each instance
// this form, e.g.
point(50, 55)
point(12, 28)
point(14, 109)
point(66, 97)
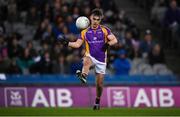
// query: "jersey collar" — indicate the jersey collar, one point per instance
point(96, 28)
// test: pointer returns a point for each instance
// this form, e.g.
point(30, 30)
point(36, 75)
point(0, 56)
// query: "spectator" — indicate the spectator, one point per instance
point(57, 7)
point(60, 66)
point(2, 29)
point(3, 10)
point(25, 61)
point(13, 68)
point(14, 48)
point(71, 25)
point(135, 52)
point(45, 47)
point(29, 45)
point(87, 11)
point(172, 15)
point(147, 44)
point(156, 55)
point(171, 25)
point(76, 12)
point(158, 11)
point(56, 50)
point(47, 12)
point(46, 64)
point(4, 60)
point(35, 67)
point(75, 63)
point(44, 30)
point(3, 48)
point(33, 16)
point(121, 65)
point(110, 10)
point(95, 4)
point(58, 27)
point(12, 11)
point(127, 41)
point(64, 11)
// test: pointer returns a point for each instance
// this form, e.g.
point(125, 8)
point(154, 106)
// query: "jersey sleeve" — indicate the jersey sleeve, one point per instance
point(82, 35)
point(108, 31)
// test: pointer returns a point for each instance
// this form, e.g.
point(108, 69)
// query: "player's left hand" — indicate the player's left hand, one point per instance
point(62, 40)
point(105, 47)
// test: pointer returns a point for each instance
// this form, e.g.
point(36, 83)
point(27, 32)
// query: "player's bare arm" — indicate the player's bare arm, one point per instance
point(65, 42)
point(76, 44)
point(112, 39)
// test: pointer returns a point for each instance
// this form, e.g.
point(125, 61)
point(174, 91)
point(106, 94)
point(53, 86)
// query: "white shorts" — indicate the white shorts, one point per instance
point(100, 67)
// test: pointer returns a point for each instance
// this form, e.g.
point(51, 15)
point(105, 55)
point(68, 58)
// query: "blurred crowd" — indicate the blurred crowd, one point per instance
point(165, 15)
point(28, 32)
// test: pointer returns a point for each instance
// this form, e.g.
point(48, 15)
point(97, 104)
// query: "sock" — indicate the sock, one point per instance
point(97, 100)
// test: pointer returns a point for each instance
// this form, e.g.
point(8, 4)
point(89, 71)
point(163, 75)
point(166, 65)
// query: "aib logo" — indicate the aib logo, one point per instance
point(15, 97)
point(118, 97)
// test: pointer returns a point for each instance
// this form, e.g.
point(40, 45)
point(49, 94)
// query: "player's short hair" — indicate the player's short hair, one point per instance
point(97, 12)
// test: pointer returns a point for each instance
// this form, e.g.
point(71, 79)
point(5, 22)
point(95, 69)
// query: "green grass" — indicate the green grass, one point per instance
point(89, 112)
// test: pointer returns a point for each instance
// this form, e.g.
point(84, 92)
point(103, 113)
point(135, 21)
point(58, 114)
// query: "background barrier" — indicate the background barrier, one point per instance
point(72, 80)
point(67, 91)
point(76, 96)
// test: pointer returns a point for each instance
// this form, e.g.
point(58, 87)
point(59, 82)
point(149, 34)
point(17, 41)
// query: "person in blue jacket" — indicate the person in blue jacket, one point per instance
point(121, 64)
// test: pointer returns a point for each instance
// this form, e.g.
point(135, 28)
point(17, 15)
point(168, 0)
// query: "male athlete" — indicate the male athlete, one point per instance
point(97, 38)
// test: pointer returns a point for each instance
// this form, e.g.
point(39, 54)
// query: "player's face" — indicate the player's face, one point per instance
point(95, 21)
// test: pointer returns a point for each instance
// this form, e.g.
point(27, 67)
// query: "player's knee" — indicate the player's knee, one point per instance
point(87, 62)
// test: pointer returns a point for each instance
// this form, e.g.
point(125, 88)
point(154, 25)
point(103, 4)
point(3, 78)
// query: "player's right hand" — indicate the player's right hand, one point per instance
point(61, 39)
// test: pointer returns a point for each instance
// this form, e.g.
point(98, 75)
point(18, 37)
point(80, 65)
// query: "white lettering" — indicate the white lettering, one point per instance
point(142, 98)
point(154, 97)
point(64, 98)
point(166, 98)
point(52, 97)
point(39, 98)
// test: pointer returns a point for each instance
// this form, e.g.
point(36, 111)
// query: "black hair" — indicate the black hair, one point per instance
point(97, 12)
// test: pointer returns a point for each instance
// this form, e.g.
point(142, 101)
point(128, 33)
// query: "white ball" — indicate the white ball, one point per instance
point(82, 22)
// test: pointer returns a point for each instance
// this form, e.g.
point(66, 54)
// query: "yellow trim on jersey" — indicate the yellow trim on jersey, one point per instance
point(87, 47)
point(83, 36)
point(105, 33)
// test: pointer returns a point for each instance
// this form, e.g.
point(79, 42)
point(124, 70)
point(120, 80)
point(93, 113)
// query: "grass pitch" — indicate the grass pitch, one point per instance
point(89, 112)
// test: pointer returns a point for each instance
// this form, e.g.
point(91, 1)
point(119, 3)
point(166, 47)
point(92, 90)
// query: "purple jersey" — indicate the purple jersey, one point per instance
point(94, 40)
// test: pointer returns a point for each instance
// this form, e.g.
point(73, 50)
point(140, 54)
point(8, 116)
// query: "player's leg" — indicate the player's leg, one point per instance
point(99, 90)
point(100, 71)
point(87, 62)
